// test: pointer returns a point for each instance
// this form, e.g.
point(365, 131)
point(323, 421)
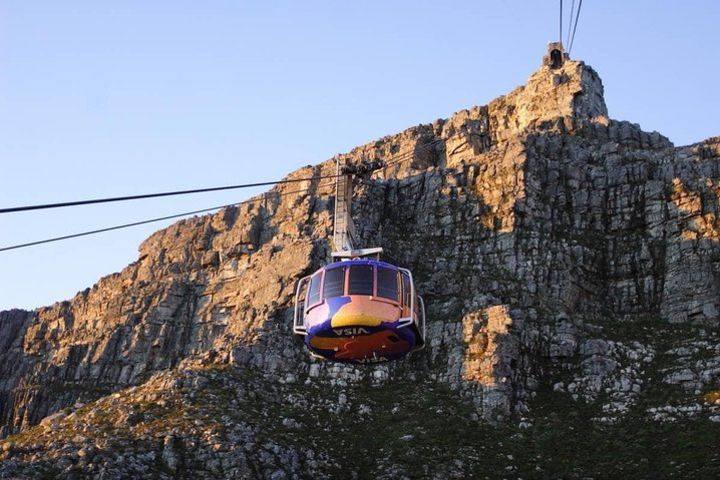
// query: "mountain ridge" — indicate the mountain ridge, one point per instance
point(563, 255)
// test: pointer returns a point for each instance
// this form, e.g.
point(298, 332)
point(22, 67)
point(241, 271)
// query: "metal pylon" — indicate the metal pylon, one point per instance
point(344, 227)
point(344, 233)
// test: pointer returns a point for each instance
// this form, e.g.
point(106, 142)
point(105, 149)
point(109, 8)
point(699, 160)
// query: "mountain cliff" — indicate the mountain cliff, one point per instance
point(570, 266)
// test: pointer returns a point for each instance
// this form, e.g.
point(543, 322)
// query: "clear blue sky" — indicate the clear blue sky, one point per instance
point(127, 97)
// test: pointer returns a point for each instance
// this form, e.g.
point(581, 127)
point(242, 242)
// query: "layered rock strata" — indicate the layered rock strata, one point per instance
point(547, 240)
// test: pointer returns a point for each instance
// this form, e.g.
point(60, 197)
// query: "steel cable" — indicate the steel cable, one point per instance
point(396, 160)
point(156, 195)
point(577, 17)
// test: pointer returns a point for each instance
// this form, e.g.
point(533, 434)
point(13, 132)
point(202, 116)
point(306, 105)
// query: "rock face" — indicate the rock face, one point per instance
point(561, 254)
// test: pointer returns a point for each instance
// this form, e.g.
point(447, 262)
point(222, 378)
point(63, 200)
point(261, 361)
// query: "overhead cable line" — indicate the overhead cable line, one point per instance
point(560, 35)
point(155, 195)
point(46, 206)
point(572, 12)
point(577, 17)
point(398, 159)
point(152, 220)
point(109, 229)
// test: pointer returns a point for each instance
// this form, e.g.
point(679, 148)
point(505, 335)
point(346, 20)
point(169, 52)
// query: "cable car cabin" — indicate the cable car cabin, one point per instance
point(360, 311)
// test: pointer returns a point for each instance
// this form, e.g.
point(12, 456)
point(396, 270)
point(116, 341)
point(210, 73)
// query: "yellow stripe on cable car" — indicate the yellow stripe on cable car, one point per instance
point(355, 319)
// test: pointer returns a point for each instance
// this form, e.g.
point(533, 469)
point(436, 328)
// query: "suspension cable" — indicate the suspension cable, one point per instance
point(398, 159)
point(572, 12)
point(109, 229)
point(577, 17)
point(155, 195)
point(46, 206)
point(153, 220)
point(561, 9)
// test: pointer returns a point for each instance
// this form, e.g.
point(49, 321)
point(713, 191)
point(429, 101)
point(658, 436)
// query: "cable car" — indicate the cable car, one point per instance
point(360, 311)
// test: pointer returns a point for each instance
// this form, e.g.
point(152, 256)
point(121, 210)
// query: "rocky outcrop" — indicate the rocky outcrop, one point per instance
point(560, 253)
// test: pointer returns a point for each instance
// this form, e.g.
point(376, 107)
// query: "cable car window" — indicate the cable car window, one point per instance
point(407, 289)
point(334, 283)
point(387, 283)
point(313, 296)
point(361, 280)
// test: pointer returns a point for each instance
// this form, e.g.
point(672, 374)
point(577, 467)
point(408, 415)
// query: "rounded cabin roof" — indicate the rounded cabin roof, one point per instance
point(346, 263)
